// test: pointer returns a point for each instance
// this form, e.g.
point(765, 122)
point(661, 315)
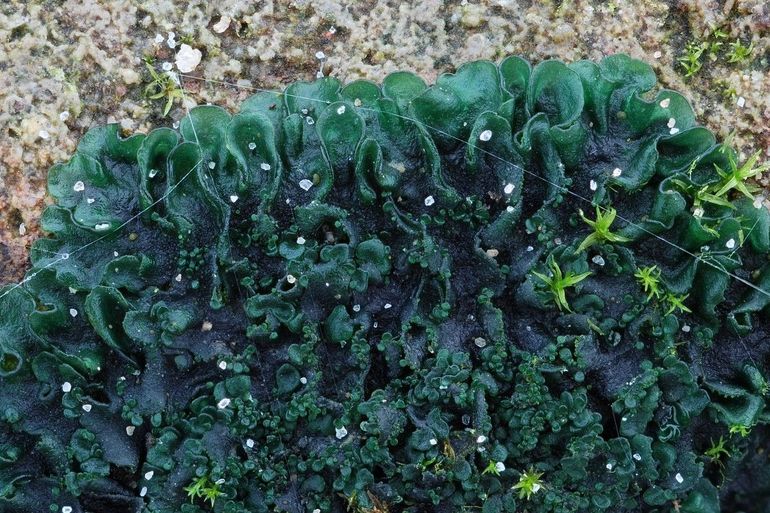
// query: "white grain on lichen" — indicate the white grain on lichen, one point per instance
point(485, 135)
point(188, 58)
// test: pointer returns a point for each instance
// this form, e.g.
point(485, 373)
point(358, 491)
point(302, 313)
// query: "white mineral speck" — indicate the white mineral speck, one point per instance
point(730, 244)
point(320, 55)
point(758, 202)
point(679, 478)
point(509, 208)
point(303, 380)
point(433, 441)
point(233, 198)
point(671, 123)
point(664, 103)
point(499, 466)
point(698, 212)
point(598, 260)
point(508, 188)
point(130, 430)
point(44, 134)
point(340, 433)
point(86, 408)
point(264, 166)
point(223, 365)
point(212, 165)
point(429, 201)
point(66, 387)
point(188, 58)
point(301, 240)
point(158, 38)
point(148, 475)
point(222, 24)
point(341, 110)
point(290, 278)
point(178, 277)
point(143, 492)
point(102, 226)
point(66, 509)
point(674, 131)
point(485, 135)
point(741, 102)
point(593, 185)
point(64, 115)
point(637, 456)
point(249, 443)
point(617, 172)
point(310, 121)
point(167, 66)
point(356, 308)
point(657, 55)
point(609, 466)
point(223, 403)
point(387, 305)
point(481, 439)
point(79, 186)
point(305, 184)
point(530, 249)
point(73, 312)
point(686, 328)
point(252, 145)
point(90, 200)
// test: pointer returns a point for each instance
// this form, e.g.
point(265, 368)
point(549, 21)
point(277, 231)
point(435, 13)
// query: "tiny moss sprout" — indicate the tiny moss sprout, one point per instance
point(675, 302)
point(558, 282)
point(494, 468)
point(718, 450)
point(163, 86)
point(649, 278)
point(740, 429)
point(203, 488)
point(739, 53)
point(738, 177)
point(529, 483)
point(691, 59)
point(601, 228)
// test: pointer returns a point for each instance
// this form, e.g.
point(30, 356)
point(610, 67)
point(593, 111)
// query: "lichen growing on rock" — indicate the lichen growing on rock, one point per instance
point(523, 288)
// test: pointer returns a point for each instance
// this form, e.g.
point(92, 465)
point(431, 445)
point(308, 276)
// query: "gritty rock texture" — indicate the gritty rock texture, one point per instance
point(68, 65)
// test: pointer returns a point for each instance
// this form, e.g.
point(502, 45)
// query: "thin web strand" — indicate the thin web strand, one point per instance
point(535, 175)
point(407, 118)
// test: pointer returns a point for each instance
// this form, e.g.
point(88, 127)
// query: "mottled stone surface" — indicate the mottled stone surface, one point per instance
point(66, 65)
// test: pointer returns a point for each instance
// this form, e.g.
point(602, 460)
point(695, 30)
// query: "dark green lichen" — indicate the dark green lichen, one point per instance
point(391, 298)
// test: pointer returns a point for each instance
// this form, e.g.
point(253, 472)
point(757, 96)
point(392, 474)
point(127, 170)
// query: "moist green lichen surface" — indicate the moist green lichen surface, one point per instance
point(522, 289)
